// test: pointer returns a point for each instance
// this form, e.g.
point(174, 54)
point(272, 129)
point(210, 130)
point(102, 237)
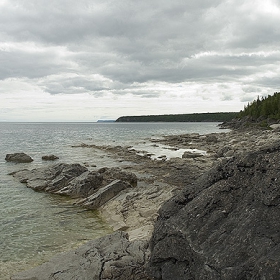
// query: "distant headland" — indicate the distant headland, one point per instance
point(106, 121)
point(196, 117)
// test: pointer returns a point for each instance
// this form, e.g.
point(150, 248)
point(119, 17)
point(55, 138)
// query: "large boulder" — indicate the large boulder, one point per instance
point(225, 225)
point(18, 157)
point(112, 257)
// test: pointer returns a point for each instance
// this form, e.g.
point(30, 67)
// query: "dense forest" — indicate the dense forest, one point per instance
point(198, 117)
point(266, 108)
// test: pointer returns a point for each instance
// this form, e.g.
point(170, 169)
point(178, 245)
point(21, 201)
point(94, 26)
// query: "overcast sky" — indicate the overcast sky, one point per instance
point(65, 60)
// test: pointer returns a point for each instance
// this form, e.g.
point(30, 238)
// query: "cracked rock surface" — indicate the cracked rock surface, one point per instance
point(110, 257)
point(225, 225)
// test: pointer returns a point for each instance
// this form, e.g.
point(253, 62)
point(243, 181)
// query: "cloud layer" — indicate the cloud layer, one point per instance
point(104, 59)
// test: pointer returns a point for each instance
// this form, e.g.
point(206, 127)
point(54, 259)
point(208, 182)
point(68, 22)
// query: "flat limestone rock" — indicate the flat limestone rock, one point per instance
point(112, 257)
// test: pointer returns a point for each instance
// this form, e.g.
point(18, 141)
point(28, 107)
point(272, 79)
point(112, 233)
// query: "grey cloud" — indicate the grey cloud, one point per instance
point(136, 42)
point(227, 96)
point(24, 63)
point(250, 89)
point(270, 82)
point(76, 84)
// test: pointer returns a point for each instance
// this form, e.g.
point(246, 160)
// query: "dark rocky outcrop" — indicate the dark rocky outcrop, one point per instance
point(112, 257)
point(103, 195)
point(77, 181)
point(114, 173)
point(225, 225)
point(50, 157)
point(192, 154)
point(18, 157)
point(249, 123)
point(84, 185)
point(50, 179)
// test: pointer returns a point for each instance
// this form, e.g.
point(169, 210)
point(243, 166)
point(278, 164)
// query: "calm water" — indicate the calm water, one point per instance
point(35, 225)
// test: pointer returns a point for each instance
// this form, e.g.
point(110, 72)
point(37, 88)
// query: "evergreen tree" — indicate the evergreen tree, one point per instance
point(267, 107)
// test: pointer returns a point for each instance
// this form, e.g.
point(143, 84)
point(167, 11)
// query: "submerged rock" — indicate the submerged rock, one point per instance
point(225, 225)
point(112, 257)
point(50, 157)
point(18, 157)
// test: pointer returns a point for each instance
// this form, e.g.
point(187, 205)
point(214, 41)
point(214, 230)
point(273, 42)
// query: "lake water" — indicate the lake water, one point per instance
point(34, 226)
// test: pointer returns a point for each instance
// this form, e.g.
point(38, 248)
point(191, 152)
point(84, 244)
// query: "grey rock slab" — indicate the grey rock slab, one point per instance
point(104, 194)
point(84, 185)
point(65, 176)
point(51, 178)
point(116, 173)
point(192, 154)
point(77, 181)
point(112, 257)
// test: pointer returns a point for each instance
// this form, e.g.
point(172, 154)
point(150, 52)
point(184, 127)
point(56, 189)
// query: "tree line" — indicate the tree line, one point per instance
point(266, 107)
point(197, 117)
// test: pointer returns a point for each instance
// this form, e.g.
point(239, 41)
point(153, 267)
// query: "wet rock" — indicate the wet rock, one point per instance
point(225, 225)
point(112, 257)
point(103, 195)
point(114, 173)
point(211, 138)
point(229, 153)
point(84, 185)
point(192, 154)
point(18, 157)
point(222, 151)
point(76, 180)
point(51, 178)
point(50, 157)
point(66, 173)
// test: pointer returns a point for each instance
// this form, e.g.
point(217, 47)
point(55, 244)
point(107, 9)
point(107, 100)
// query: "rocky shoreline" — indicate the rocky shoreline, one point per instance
point(144, 182)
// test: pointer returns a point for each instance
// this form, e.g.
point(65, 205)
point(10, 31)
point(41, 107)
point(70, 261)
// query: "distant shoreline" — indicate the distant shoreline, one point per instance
point(196, 117)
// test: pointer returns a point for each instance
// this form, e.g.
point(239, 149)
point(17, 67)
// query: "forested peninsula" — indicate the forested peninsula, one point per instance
point(197, 117)
point(266, 107)
point(261, 112)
